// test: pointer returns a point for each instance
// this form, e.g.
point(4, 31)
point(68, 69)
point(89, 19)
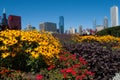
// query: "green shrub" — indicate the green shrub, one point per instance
point(114, 31)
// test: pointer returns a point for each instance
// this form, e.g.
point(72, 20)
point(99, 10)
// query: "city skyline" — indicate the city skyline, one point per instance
point(75, 12)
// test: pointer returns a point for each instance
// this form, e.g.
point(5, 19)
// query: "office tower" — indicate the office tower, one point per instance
point(105, 23)
point(114, 16)
point(72, 30)
point(75, 30)
point(48, 26)
point(14, 22)
point(61, 25)
point(80, 29)
point(4, 20)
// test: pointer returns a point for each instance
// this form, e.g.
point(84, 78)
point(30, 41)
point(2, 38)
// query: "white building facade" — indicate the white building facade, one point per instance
point(72, 30)
point(114, 16)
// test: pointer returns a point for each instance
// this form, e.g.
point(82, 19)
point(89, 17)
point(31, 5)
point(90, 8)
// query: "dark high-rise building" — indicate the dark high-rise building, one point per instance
point(61, 25)
point(0, 23)
point(14, 22)
point(4, 20)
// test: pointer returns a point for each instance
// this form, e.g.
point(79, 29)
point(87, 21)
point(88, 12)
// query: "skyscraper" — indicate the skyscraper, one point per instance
point(48, 26)
point(61, 25)
point(4, 20)
point(114, 16)
point(14, 22)
point(80, 29)
point(105, 22)
point(72, 30)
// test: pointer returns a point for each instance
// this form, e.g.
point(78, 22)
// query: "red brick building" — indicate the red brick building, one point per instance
point(14, 22)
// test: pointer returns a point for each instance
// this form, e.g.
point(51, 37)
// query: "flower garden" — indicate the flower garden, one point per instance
point(33, 55)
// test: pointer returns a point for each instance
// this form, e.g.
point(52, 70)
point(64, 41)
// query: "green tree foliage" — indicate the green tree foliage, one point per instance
point(114, 31)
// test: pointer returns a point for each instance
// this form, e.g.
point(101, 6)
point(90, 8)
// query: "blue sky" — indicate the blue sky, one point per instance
point(75, 12)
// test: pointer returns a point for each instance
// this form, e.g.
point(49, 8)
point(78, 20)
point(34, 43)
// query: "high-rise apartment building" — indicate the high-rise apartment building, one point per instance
point(80, 29)
point(48, 26)
point(61, 25)
point(114, 16)
point(72, 30)
point(105, 22)
point(14, 22)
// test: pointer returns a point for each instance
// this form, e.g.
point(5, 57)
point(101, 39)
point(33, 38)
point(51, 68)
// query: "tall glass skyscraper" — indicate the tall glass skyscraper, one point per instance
point(114, 16)
point(4, 24)
point(4, 19)
point(61, 25)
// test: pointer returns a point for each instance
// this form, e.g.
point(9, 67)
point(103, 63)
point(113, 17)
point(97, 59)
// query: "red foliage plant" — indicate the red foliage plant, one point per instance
point(72, 67)
point(39, 77)
point(67, 66)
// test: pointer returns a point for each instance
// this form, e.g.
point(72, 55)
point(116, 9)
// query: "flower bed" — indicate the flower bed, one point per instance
point(100, 39)
point(30, 55)
point(27, 50)
point(67, 66)
point(103, 60)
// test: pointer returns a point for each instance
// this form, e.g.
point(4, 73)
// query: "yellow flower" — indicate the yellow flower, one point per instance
point(3, 48)
point(5, 42)
point(33, 42)
point(28, 50)
point(4, 55)
point(100, 39)
point(23, 38)
point(1, 39)
point(35, 55)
